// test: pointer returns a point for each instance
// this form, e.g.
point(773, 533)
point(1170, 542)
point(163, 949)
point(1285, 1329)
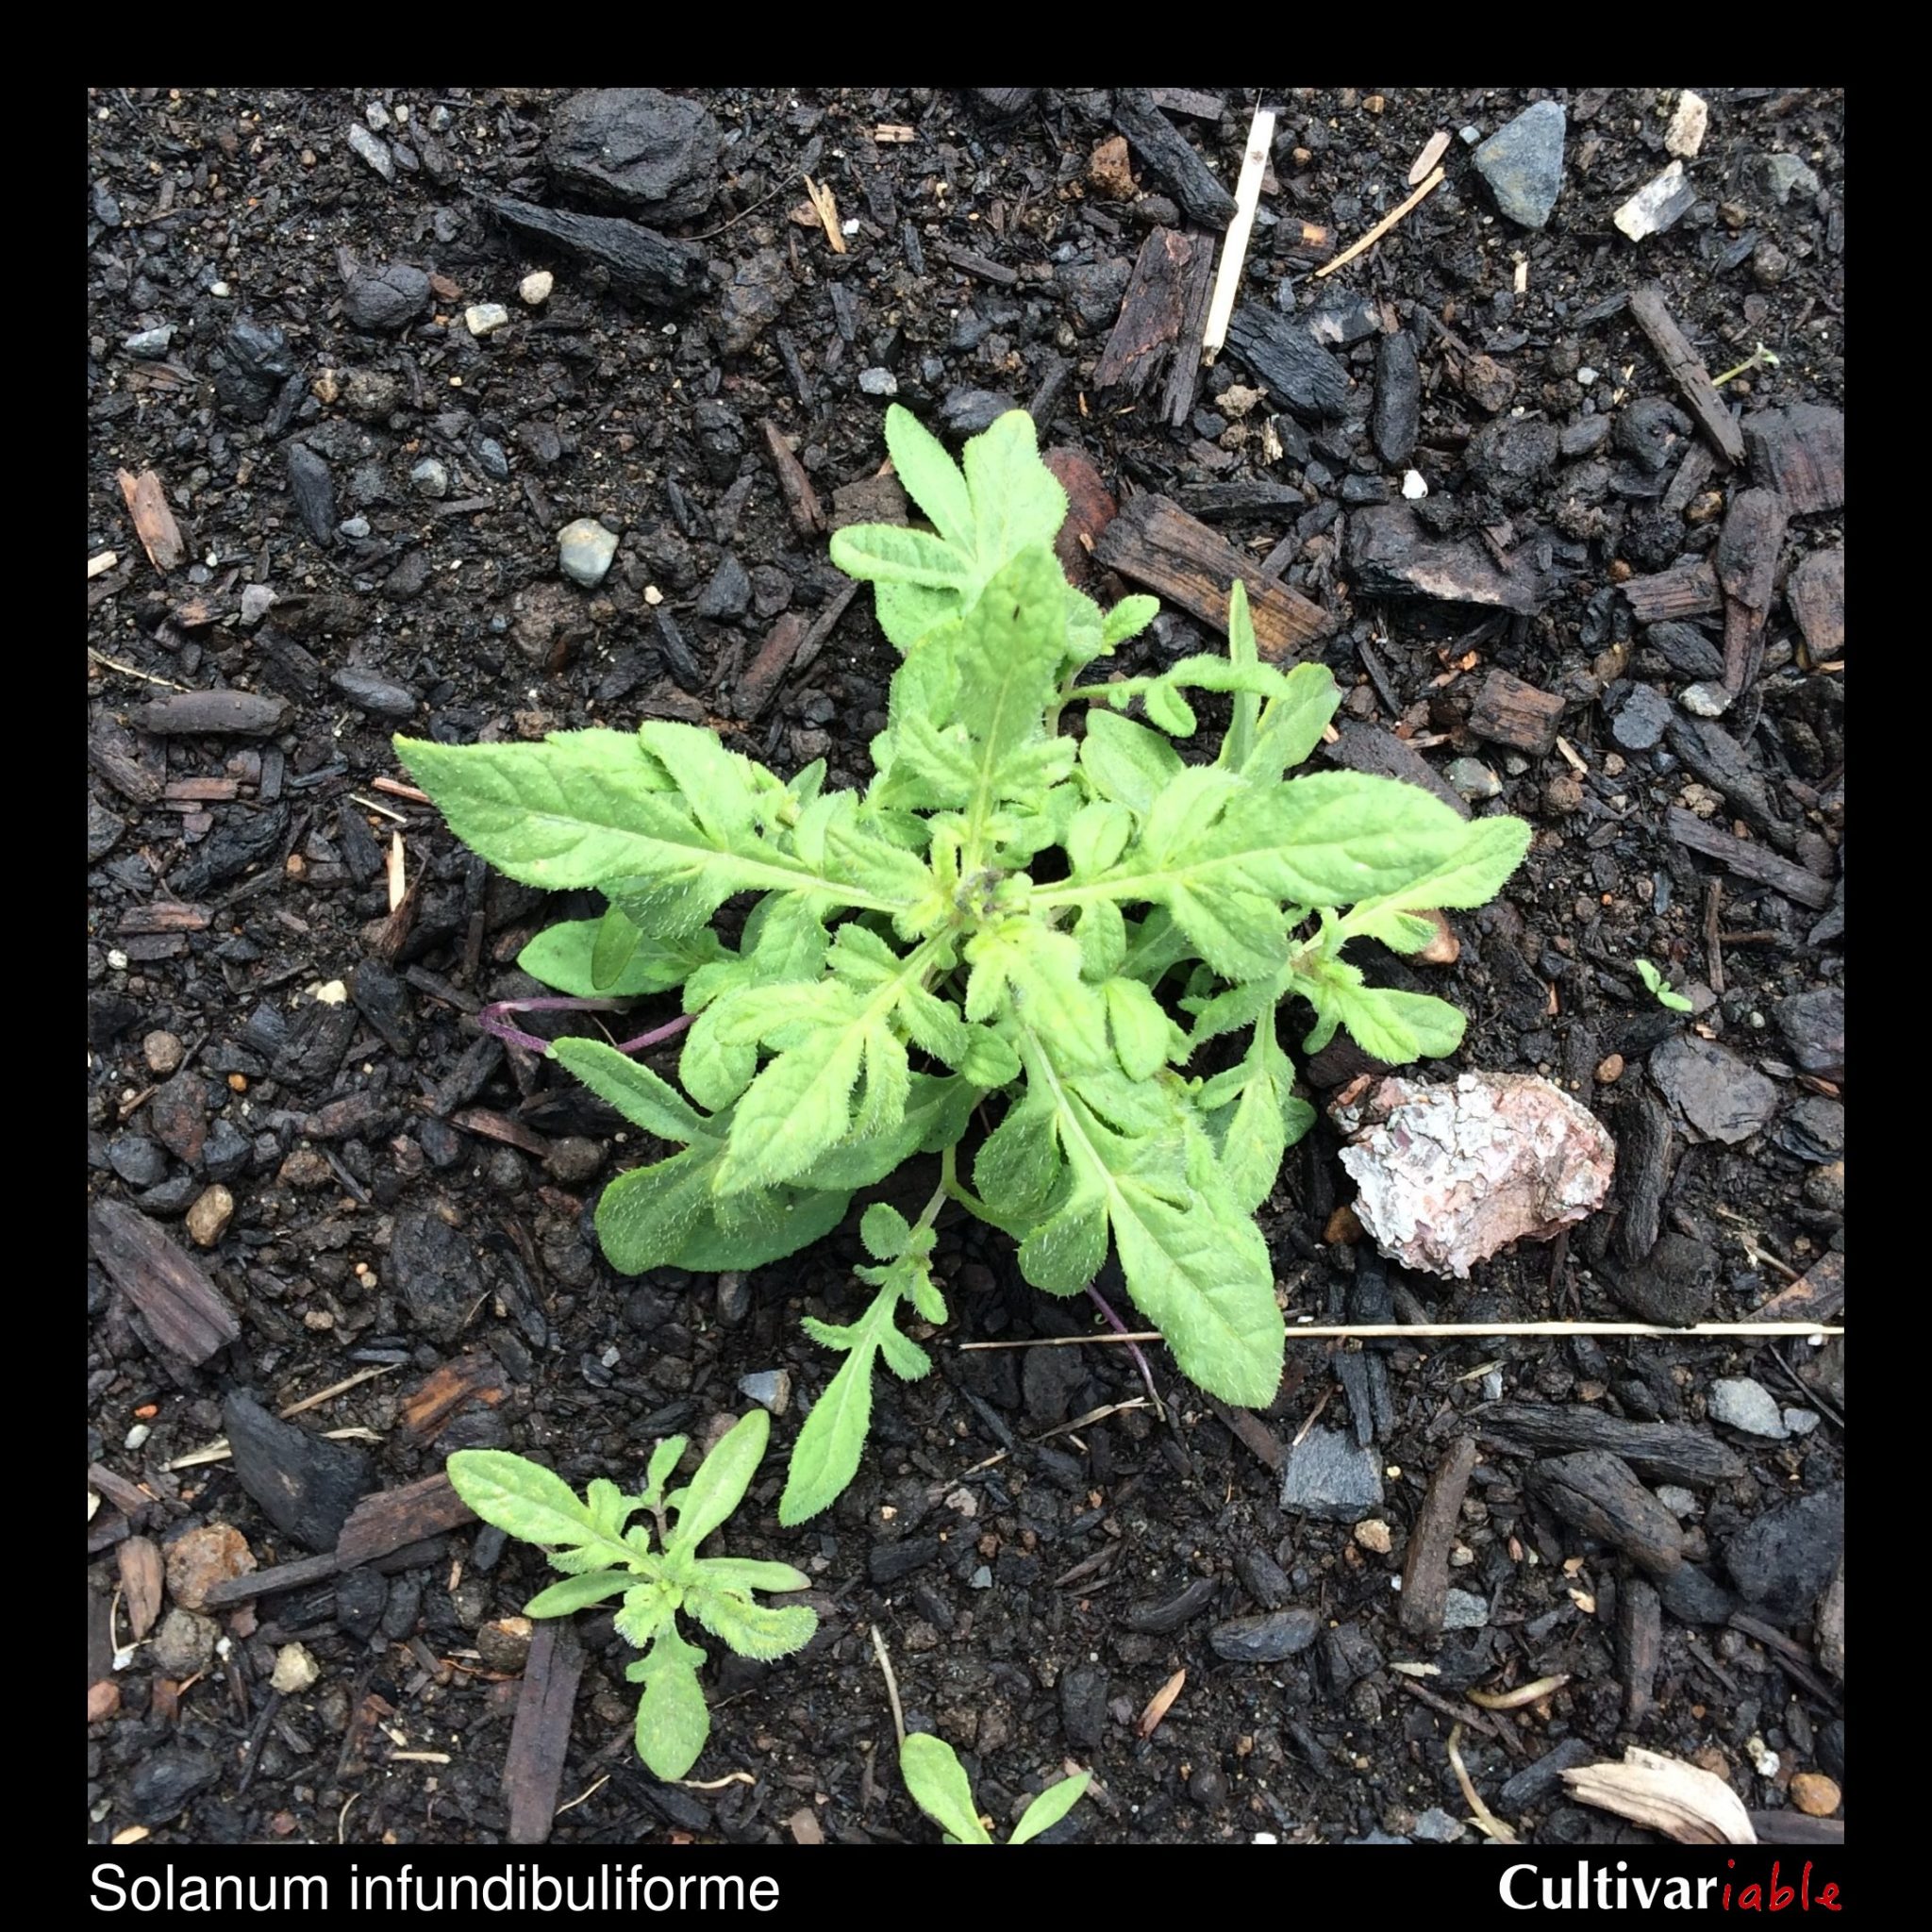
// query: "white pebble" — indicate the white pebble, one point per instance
point(1585, 376)
point(1685, 134)
point(535, 286)
point(137, 1436)
point(480, 318)
point(1414, 486)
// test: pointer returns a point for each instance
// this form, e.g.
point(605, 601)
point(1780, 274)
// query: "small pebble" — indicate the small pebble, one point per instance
point(1705, 700)
point(770, 1389)
point(208, 1218)
point(585, 549)
point(373, 151)
point(535, 286)
point(1462, 1610)
point(1585, 376)
point(1472, 778)
point(150, 343)
point(878, 382)
point(1800, 1422)
point(258, 600)
point(1815, 1794)
point(354, 529)
point(1740, 1403)
point(1374, 1535)
point(431, 478)
point(505, 1644)
point(295, 1669)
point(1414, 485)
point(162, 1051)
point(1678, 1501)
point(480, 318)
point(1685, 134)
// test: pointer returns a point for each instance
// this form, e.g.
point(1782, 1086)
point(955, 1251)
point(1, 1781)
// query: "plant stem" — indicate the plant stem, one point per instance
point(1133, 1347)
point(494, 1019)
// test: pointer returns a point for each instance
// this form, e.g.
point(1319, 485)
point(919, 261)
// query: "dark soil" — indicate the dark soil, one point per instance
point(403, 1194)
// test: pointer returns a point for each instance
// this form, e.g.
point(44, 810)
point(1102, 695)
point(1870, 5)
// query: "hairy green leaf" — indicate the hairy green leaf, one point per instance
point(937, 1781)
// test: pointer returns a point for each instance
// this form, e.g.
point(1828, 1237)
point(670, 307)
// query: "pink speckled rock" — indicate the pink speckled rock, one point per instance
point(1451, 1172)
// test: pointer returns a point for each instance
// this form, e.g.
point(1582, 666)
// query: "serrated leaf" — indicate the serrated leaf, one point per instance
point(1144, 1038)
point(1388, 1025)
point(721, 1482)
point(932, 479)
point(1128, 619)
point(522, 1498)
point(1471, 872)
point(631, 1088)
point(1057, 1799)
point(890, 553)
point(753, 1630)
point(937, 1783)
point(664, 1460)
point(1125, 760)
point(825, 1458)
point(1018, 503)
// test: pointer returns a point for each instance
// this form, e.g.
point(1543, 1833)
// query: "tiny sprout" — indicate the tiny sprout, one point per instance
point(1660, 986)
point(1760, 356)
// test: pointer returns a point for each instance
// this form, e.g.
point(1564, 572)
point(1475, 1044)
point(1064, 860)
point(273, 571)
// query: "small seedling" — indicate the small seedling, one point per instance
point(1661, 988)
point(1759, 358)
point(601, 1559)
point(939, 1788)
point(1076, 941)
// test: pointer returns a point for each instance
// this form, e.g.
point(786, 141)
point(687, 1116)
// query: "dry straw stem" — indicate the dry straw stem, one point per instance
point(1459, 1331)
point(1432, 181)
point(1234, 250)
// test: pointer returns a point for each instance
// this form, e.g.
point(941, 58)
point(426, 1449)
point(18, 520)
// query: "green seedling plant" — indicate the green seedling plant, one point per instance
point(1661, 988)
point(941, 1788)
point(1073, 937)
point(603, 1554)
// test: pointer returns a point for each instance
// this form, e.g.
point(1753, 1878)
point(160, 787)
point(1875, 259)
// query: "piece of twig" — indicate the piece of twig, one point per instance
point(134, 671)
point(396, 869)
point(878, 1644)
point(1432, 181)
point(396, 789)
point(1233, 250)
point(1453, 1331)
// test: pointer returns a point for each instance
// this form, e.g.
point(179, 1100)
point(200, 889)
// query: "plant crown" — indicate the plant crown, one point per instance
point(1036, 928)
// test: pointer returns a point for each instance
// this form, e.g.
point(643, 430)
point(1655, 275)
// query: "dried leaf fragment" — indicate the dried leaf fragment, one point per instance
point(827, 213)
point(1686, 1803)
point(1160, 1703)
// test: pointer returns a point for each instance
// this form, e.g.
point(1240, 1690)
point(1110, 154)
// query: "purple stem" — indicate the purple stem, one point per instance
point(494, 1019)
point(1119, 1328)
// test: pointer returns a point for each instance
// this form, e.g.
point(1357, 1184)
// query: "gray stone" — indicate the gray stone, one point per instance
point(1083, 1705)
point(150, 344)
point(1524, 163)
point(584, 550)
point(251, 366)
point(388, 298)
point(1706, 699)
point(431, 478)
point(1435, 1828)
point(1814, 1025)
point(878, 382)
point(377, 695)
point(771, 1388)
point(484, 318)
point(1660, 203)
point(164, 1781)
point(1778, 177)
point(373, 151)
point(1711, 1088)
point(1328, 1474)
point(967, 411)
point(137, 1160)
point(752, 300)
point(1472, 778)
point(1640, 721)
point(728, 593)
point(1268, 1638)
point(1743, 1403)
point(1800, 1422)
point(1463, 1609)
point(184, 1643)
point(1787, 1557)
point(650, 154)
point(313, 488)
